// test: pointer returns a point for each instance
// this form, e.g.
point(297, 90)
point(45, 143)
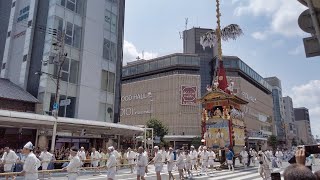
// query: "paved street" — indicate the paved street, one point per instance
point(251, 173)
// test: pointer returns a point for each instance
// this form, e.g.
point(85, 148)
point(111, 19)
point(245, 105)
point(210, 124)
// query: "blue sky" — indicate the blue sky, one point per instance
point(272, 42)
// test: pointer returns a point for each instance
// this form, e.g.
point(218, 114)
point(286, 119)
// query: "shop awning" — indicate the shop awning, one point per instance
point(258, 138)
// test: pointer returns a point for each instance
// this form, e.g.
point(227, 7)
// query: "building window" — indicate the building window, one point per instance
point(9, 33)
point(69, 71)
point(14, 4)
point(73, 5)
point(3, 65)
point(29, 23)
point(105, 112)
point(107, 81)
point(72, 33)
point(109, 50)
point(25, 58)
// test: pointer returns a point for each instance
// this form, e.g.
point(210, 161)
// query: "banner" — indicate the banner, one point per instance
point(217, 133)
point(189, 95)
point(239, 136)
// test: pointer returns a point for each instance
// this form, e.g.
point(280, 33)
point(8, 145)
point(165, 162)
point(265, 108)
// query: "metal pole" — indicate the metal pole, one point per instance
point(145, 137)
point(57, 96)
point(314, 19)
point(152, 136)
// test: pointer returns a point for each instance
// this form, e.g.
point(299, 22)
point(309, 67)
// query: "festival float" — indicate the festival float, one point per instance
point(223, 122)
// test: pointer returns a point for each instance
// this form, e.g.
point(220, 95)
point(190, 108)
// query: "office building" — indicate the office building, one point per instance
point(302, 121)
point(91, 72)
point(289, 120)
point(278, 110)
point(167, 89)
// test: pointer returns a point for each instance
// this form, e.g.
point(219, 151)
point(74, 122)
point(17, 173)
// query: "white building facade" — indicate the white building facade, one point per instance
point(93, 43)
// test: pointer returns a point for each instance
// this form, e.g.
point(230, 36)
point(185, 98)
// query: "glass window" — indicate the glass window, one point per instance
point(174, 60)
point(63, 3)
point(102, 112)
point(77, 36)
point(71, 4)
point(153, 65)
point(113, 52)
point(160, 63)
point(109, 116)
point(111, 82)
point(74, 68)
point(166, 62)
point(146, 67)
point(140, 68)
point(104, 80)
point(188, 60)
point(106, 49)
point(113, 23)
point(181, 60)
point(107, 19)
point(65, 65)
point(69, 29)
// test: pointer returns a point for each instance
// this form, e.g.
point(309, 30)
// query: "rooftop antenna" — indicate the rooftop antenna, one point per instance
point(186, 27)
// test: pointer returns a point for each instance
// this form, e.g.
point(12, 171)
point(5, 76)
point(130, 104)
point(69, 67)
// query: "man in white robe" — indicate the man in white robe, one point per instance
point(74, 165)
point(95, 159)
point(82, 155)
point(45, 158)
point(131, 156)
point(9, 159)
point(157, 162)
point(111, 164)
point(142, 162)
point(244, 157)
point(31, 163)
point(170, 163)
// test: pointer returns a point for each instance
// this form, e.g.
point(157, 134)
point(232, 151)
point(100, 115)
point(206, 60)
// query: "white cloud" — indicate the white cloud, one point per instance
point(296, 51)
point(259, 35)
point(130, 53)
point(283, 14)
point(308, 95)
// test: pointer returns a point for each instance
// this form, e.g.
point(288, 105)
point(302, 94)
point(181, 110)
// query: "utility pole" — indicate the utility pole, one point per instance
point(55, 111)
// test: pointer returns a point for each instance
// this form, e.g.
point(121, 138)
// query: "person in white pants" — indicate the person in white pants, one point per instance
point(170, 161)
point(188, 164)
point(111, 164)
point(130, 156)
point(82, 155)
point(74, 165)
point(279, 157)
point(31, 163)
point(194, 157)
point(157, 162)
point(204, 160)
point(212, 157)
point(142, 162)
point(244, 157)
point(95, 158)
point(180, 163)
point(9, 159)
point(45, 158)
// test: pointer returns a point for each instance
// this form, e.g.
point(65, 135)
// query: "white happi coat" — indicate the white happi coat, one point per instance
point(164, 155)
point(170, 159)
point(142, 162)
point(9, 159)
point(73, 168)
point(45, 157)
point(111, 166)
point(193, 156)
point(279, 155)
point(180, 162)
point(131, 156)
point(204, 156)
point(212, 156)
point(188, 162)
point(244, 155)
point(158, 162)
point(95, 158)
point(30, 166)
point(82, 155)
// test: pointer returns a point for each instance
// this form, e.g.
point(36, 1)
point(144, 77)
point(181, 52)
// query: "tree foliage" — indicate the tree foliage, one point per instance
point(196, 142)
point(159, 128)
point(273, 142)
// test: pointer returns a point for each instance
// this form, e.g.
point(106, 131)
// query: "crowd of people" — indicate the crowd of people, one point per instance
point(187, 162)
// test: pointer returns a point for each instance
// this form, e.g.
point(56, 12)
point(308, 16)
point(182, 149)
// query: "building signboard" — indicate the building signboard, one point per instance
point(189, 95)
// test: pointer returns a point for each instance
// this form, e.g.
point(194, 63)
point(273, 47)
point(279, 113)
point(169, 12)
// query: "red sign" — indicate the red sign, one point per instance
point(189, 95)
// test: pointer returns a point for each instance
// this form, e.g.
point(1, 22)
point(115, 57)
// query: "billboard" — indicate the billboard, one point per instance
point(189, 95)
point(217, 133)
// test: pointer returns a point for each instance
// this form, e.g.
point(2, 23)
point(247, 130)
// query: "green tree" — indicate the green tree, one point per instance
point(273, 142)
point(159, 129)
point(196, 142)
